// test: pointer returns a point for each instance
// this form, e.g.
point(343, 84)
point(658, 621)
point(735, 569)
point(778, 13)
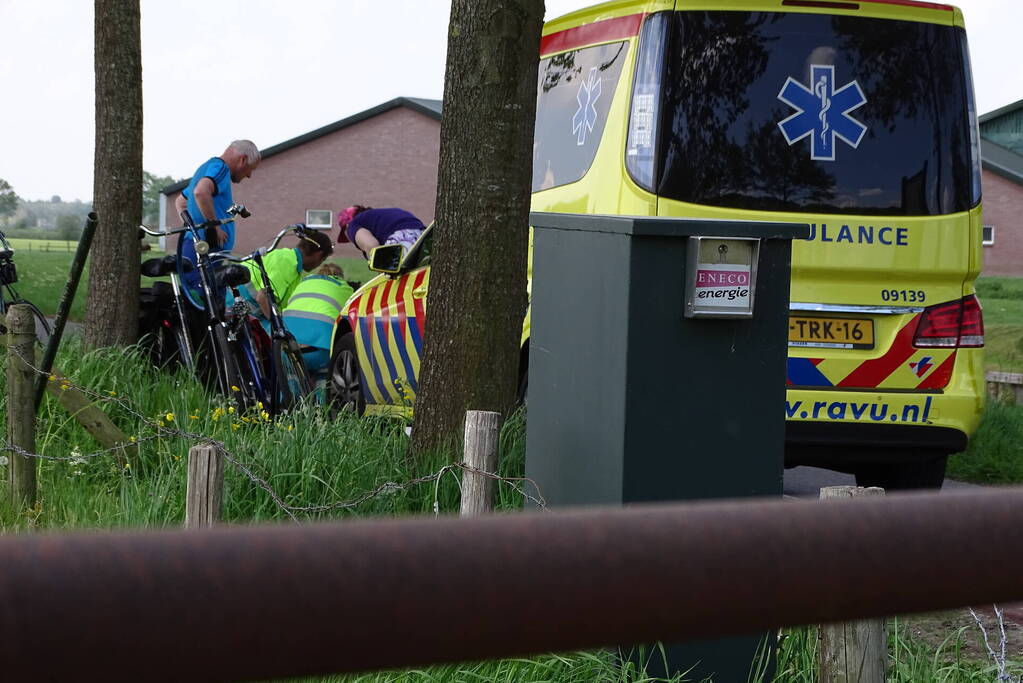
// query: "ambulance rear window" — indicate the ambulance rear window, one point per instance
point(573, 95)
point(815, 113)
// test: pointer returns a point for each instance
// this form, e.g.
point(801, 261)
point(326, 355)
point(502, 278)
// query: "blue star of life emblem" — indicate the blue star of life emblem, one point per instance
point(823, 112)
point(586, 115)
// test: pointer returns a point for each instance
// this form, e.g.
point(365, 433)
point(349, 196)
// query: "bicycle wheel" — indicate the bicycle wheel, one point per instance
point(291, 378)
point(182, 349)
point(254, 377)
point(229, 376)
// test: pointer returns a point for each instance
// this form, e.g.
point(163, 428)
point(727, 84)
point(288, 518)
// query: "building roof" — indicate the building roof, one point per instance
point(431, 108)
point(1000, 112)
point(1001, 141)
point(1001, 161)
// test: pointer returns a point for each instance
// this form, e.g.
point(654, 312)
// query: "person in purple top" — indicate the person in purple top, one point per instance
point(366, 227)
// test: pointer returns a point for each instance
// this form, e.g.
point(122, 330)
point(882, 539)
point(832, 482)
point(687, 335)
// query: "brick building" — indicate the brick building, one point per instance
point(1001, 152)
point(384, 156)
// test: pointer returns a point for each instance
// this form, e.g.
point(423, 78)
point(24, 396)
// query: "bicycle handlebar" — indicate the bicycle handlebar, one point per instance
point(234, 213)
point(297, 228)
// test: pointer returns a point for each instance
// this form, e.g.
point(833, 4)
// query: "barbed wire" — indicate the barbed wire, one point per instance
point(163, 431)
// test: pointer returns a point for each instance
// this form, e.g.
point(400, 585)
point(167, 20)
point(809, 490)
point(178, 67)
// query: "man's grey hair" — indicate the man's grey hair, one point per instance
point(248, 149)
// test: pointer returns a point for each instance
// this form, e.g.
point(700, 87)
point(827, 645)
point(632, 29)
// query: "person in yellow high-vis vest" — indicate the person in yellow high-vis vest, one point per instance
point(314, 305)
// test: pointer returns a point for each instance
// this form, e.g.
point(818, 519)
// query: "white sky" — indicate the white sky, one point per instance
point(217, 70)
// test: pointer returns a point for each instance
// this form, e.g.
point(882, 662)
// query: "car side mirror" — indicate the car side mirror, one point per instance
point(386, 258)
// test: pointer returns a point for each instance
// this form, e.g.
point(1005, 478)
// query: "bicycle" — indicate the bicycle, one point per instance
point(9, 295)
point(224, 364)
point(288, 379)
point(163, 321)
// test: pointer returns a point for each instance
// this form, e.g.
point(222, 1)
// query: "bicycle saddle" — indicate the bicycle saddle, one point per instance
point(158, 267)
point(232, 276)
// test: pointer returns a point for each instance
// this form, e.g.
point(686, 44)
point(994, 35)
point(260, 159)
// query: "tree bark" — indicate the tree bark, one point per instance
point(112, 308)
point(478, 274)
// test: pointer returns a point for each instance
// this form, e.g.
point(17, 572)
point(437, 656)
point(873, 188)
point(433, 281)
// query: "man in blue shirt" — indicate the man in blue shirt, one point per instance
point(208, 197)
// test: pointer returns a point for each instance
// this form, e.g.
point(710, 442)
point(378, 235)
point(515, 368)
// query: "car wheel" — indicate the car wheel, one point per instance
point(904, 476)
point(345, 388)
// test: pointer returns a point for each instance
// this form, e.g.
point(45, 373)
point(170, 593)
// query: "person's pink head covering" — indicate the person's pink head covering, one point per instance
point(345, 217)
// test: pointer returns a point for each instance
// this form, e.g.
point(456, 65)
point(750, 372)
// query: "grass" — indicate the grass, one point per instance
point(995, 453)
point(910, 659)
point(1002, 301)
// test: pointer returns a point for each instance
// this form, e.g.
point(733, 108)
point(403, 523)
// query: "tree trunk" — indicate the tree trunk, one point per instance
point(478, 274)
point(112, 309)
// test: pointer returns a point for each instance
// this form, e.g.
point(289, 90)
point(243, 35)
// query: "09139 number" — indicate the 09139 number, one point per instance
point(912, 296)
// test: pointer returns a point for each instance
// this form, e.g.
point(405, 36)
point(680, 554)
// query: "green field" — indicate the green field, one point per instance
point(1002, 301)
point(43, 274)
point(23, 244)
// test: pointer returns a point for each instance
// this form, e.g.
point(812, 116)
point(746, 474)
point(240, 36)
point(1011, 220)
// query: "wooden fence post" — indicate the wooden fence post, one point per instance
point(204, 494)
point(482, 434)
point(21, 414)
point(90, 416)
point(853, 651)
point(1000, 385)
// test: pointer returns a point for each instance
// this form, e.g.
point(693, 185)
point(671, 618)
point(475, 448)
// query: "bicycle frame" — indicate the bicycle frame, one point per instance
point(214, 305)
point(278, 331)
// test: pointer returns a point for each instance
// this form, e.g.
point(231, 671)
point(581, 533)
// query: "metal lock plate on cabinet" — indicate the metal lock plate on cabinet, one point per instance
point(721, 277)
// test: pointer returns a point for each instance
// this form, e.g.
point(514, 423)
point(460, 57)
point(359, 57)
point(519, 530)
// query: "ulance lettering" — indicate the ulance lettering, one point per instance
point(860, 234)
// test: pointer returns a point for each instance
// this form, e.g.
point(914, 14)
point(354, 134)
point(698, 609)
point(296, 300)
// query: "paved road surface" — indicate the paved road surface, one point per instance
point(806, 482)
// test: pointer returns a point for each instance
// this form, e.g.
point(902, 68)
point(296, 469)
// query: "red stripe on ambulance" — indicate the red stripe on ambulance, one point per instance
point(941, 376)
point(590, 34)
point(872, 372)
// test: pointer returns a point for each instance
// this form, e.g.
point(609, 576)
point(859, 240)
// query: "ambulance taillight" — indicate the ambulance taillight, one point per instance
point(954, 324)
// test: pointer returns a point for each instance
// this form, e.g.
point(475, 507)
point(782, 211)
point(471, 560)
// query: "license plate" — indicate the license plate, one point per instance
point(831, 333)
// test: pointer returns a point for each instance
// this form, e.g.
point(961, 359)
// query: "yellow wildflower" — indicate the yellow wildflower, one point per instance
point(112, 393)
point(235, 425)
point(169, 417)
point(265, 415)
point(230, 410)
point(234, 388)
point(132, 439)
point(193, 417)
point(290, 427)
point(217, 414)
point(53, 378)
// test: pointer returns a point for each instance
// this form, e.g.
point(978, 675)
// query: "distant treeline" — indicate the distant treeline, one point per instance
point(48, 219)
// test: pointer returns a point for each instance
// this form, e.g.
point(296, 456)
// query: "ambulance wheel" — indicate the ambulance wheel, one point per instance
point(344, 390)
point(903, 476)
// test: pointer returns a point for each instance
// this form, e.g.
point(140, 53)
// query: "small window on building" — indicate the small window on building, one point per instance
point(319, 219)
point(988, 237)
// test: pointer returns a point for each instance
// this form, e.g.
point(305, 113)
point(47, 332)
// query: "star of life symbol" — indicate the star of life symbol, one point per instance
point(823, 112)
point(920, 368)
point(586, 115)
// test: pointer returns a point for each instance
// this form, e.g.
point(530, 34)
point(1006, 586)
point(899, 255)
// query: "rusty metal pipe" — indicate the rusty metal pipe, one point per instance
point(266, 602)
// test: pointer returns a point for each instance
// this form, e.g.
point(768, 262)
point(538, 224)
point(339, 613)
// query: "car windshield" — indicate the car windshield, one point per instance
point(816, 113)
point(419, 255)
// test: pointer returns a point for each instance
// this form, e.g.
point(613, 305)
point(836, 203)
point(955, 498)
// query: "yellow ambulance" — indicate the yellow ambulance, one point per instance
point(857, 117)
